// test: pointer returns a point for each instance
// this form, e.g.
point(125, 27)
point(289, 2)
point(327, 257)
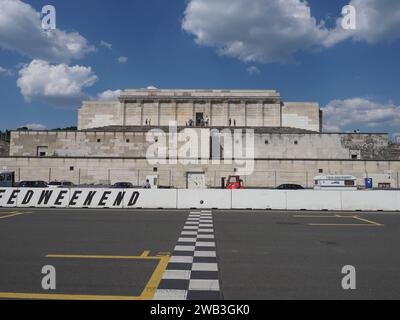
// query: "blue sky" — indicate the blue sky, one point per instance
point(356, 78)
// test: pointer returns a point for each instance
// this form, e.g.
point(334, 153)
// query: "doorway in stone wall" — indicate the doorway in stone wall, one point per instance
point(199, 119)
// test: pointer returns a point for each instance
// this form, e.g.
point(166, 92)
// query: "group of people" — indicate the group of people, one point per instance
point(203, 122)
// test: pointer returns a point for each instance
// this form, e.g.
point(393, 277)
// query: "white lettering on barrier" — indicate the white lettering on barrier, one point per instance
point(98, 198)
point(8, 197)
point(43, 197)
point(200, 199)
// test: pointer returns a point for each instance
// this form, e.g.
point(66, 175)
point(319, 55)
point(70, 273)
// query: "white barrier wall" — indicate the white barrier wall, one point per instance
point(259, 199)
point(200, 199)
point(313, 200)
point(370, 200)
point(204, 199)
point(152, 198)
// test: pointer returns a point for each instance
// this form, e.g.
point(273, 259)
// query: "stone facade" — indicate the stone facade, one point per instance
point(125, 144)
point(240, 108)
point(112, 142)
point(4, 148)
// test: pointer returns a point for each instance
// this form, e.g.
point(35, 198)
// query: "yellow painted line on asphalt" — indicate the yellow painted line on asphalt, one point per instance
point(310, 216)
point(145, 253)
point(368, 221)
point(343, 225)
point(55, 296)
point(151, 287)
point(12, 214)
point(80, 256)
point(147, 293)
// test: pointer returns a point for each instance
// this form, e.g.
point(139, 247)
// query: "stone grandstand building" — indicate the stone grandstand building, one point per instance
point(112, 142)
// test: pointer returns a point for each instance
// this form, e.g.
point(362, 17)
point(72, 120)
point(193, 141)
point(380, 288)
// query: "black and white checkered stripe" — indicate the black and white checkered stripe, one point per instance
point(192, 271)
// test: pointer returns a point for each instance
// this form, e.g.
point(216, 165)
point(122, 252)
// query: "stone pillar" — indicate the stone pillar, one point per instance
point(123, 112)
point(226, 103)
point(211, 113)
point(159, 114)
point(176, 109)
point(193, 112)
point(245, 112)
point(141, 112)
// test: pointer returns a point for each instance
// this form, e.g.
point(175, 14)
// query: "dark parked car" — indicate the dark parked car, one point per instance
point(32, 184)
point(122, 185)
point(61, 184)
point(290, 186)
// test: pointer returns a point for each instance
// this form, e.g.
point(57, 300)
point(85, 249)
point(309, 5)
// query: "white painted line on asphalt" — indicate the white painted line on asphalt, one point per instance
point(205, 244)
point(170, 294)
point(177, 274)
point(204, 284)
point(205, 254)
point(205, 236)
point(187, 240)
point(198, 266)
point(181, 259)
point(184, 248)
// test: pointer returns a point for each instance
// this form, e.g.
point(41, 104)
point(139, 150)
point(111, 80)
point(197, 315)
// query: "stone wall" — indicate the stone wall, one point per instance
point(242, 108)
point(267, 145)
point(4, 148)
point(94, 114)
point(301, 115)
point(267, 173)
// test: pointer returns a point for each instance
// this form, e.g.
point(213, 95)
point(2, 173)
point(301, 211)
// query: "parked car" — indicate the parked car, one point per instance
point(122, 185)
point(32, 184)
point(61, 184)
point(290, 186)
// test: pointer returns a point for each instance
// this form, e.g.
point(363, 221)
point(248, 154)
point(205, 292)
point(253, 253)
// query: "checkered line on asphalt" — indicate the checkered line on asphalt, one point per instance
point(192, 271)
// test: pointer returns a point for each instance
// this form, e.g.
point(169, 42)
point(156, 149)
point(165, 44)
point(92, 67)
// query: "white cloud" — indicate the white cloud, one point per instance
point(252, 70)
point(254, 30)
point(35, 126)
point(355, 113)
point(20, 30)
point(122, 59)
point(56, 84)
point(376, 21)
point(267, 31)
point(5, 72)
point(151, 88)
point(105, 44)
point(109, 95)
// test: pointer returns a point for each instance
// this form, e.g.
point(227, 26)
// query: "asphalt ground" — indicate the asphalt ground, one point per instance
point(122, 254)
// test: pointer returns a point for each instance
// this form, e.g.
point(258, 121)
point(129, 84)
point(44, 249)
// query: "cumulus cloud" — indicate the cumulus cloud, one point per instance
point(252, 70)
point(109, 95)
point(59, 84)
point(254, 30)
point(122, 59)
point(266, 31)
point(5, 72)
point(376, 21)
point(20, 30)
point(355, 113)
point(105, 44)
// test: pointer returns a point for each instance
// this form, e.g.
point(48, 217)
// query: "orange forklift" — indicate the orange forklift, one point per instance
point(232, 182)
